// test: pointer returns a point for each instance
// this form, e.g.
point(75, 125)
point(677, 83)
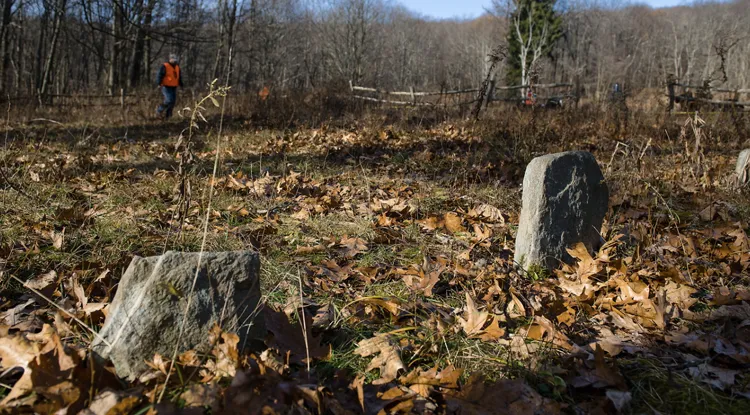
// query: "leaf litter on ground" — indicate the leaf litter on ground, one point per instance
point(411, 300)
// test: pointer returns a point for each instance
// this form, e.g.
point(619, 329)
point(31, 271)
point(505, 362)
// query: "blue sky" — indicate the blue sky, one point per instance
point(473, 8)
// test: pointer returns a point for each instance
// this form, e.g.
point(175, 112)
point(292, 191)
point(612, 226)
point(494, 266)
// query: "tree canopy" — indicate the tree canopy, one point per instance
point(534, 24)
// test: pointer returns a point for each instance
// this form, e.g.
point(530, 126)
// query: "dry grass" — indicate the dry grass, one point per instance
point(112, 191)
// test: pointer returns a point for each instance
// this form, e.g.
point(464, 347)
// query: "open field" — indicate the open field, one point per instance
point(390, 237)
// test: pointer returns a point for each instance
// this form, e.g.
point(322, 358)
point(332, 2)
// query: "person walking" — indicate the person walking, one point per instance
point(168, 79)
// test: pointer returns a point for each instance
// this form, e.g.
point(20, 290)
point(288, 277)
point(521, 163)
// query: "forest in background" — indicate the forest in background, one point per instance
point(103, 46)
point(386, 234)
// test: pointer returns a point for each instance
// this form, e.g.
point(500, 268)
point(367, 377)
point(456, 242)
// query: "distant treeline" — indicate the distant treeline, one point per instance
point(72, 46)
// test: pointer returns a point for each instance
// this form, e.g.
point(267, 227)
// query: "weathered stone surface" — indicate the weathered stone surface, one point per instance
point(146, 314)
point(743, 168)
point(565, 199)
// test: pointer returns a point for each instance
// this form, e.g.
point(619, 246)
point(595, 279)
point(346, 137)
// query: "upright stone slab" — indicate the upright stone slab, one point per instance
point(565, 199)
point(147, 311)
point(743, 168)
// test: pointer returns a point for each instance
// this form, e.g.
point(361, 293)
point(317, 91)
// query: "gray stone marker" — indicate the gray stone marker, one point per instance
point(565, 199)
point(743, 168)
point(149, 307)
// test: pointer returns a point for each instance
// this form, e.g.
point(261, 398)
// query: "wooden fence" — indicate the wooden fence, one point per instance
point(689, 97)
point(447, 98)
point(697, 96)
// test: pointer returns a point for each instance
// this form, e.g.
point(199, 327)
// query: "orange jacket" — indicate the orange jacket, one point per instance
point(171, 76)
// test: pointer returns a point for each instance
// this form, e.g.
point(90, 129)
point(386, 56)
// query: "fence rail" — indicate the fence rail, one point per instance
point(412, 93)
point(535, 86)
point(737, 91)
point(687, 98)
point(48, 99)
point(490, 95)
point(383, 101)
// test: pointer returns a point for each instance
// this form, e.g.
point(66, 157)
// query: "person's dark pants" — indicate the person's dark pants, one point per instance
point(170, 97)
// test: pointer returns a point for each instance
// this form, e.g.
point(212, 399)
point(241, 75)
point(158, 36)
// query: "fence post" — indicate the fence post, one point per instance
point(670, 89)
point(413, 98)
point(122, 98)
point(351, 86)
point(670, 92)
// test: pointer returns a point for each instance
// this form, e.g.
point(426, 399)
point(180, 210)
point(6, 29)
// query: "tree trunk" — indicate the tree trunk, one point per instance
point(230, 40)
point(47, 76)
point(18, 61)
point(40, 48)
point(136, 54)
point(222, 14)
point(148, 18)
point(114, 58)
point(4, 46)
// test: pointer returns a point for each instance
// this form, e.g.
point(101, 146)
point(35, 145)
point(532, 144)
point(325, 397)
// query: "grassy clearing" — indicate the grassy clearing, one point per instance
point(658, 388)
point(363, 219)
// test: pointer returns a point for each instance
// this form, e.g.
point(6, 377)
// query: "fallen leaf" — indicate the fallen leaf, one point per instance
point(619, 399)
point(423, 278)
point(431, 223)
point(16, 351)
point(307, 250)
point(482, 232)
point(288, 337)
point(57, 239)
point(12, 316)
point(515, 307)
point(717, 377)
point(453, 223)
point(42, 282)
point(603, 375)
point(226, 356)
point(110, 402)
point(473, 319)
point(446, 378)
point(680, 295)
point(504, 397)
point(358, 384)
point(544, 330)
point(351, 247)
point(49, 370)
point(493, 331)
point(79, 292)
point(302, 215)
point(385, 303)
point(387, 360)
point(487, 213)
point(567, 317)
point(633, 290)
point(586, 266)
point(201, 394)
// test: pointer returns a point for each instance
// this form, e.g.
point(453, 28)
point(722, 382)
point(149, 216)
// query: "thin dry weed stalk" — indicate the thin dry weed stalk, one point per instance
point(184, 146)
point(303, 324)
point(493, 58)
point(694, 156)
point(221, 92)
point(614, 153)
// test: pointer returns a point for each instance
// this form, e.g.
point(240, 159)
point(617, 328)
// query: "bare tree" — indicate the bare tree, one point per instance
point(531, 45)
point(105, 45)
point(59, 13)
